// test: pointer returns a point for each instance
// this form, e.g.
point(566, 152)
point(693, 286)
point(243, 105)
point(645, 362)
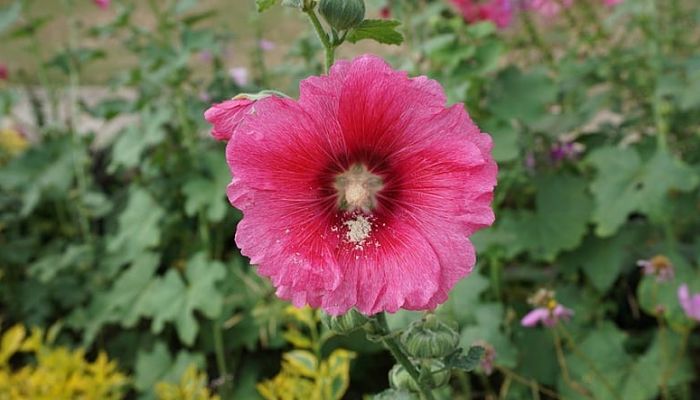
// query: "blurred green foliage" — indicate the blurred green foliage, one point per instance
point(125, 243)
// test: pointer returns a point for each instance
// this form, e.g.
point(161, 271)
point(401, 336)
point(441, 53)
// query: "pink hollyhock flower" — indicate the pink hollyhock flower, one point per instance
point(659, 266)
point(363, 192)
point(548, 8)
point(103, 4)
point(690, 304)
point(547, 316)
point(226, 116)
point(239, 75)
point(500, 12)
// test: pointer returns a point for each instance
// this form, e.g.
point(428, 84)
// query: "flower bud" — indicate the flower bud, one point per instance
point(346, 323)
point(399, 378)
point(342, 14)
point(429, 338)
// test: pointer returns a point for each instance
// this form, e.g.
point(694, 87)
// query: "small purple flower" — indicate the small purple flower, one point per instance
point(548, 317)
point(565, 151)
point(690, 304)
point(547, 311)
point(266, 45)
point(659, 266)
point(239, 75)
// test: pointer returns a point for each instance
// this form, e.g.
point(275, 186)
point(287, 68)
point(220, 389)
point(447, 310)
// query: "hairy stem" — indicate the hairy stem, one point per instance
point(323, 37)
point(382, 329)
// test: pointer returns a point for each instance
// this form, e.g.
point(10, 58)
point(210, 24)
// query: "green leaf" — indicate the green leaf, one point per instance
point(624, 184)
point(263, 5)
point(158, 365)
point(9, 15)
point(663, 361)
point(139, 226)
point(171, 299)
point(652, 294)
point(133, 141)
point(602, 260)
point(466, 362)
point(522, 96)
point(600, 364)
point(380, 30)
point(487, 327)
point(205, 192)
point(559, 221)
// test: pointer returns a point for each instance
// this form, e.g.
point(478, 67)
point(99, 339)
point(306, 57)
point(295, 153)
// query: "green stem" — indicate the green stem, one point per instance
point(587, 361)
point(73, 122)
point(221, 357)
point(382, 329)
point(323, 37)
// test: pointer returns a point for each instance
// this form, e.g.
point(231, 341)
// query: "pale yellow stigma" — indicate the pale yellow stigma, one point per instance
point(357, 189)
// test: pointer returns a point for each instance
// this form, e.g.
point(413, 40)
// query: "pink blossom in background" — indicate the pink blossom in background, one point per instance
point(103, 4)
point(547, 8)
point(4, 73)
point(548, 316)
point(363, 192)
point(239, 75)
point(612, 2)
point(205, 56)
point(266, 45)
point(385, 12)
point(500, 12)
point(226, 116)
point(689, 303)
point(659, 266)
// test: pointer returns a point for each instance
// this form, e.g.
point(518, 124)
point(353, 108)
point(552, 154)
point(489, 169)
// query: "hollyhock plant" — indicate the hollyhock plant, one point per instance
point(500, 12)
point(659, 266)
point(363, 192)
point(689, 303)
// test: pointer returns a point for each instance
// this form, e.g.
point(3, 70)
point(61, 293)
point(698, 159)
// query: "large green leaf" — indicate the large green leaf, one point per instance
point(598, 365)
point(205, 192)
point(522, 96)
point(171, 299)
point(134, 140)
point(558, 222)
point(158, 365)
point(139, 226)
point(379, 30)
point(602, 259)
point(625, 184)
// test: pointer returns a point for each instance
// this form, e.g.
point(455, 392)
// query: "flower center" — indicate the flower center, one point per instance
point(357, 189)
